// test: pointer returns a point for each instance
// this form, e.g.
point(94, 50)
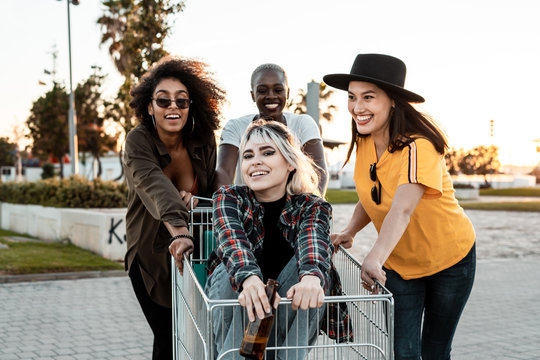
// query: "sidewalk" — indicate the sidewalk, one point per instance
point(502, 317)
point(99, 318)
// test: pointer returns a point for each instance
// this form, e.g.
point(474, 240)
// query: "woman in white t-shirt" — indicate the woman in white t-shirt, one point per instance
point(269, 91)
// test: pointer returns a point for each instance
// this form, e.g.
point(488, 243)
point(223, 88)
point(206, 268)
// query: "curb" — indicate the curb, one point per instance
point(6, 279)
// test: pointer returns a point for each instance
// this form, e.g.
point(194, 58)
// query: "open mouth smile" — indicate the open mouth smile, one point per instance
point(172, 117)
point(273, 106)
point(363, 119)
point(258, 173)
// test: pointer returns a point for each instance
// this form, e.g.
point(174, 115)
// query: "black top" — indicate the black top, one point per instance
point(277, 251)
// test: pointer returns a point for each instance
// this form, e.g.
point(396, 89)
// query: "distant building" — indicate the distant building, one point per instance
point(111, 169)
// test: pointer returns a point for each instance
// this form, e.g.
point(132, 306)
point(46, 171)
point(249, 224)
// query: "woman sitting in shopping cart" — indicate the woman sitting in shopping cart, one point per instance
point(274, 227)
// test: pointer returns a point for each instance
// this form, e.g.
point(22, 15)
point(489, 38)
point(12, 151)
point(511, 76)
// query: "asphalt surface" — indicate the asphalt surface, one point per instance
point(96, 316)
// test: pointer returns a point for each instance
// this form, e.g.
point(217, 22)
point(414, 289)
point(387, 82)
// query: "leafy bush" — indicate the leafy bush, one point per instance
point(48, 171)
point(75, 192)
point(463, 186)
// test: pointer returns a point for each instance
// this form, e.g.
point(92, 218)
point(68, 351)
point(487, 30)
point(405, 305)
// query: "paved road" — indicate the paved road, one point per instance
point(99, 318)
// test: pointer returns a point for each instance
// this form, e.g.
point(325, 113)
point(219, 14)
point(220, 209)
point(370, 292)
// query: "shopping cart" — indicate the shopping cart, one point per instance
point(371, 314)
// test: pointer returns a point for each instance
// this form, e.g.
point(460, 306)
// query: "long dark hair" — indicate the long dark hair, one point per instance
point(406, 125)
point(207, 96)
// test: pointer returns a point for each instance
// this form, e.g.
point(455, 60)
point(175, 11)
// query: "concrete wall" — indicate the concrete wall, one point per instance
point(497, 181)
point(102, 231)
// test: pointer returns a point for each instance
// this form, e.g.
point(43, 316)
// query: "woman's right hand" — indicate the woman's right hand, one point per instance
point(178, 248)
point(253, 297)
point(372, 269)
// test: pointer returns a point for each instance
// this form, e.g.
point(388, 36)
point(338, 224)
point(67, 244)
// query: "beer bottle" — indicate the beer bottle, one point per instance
point(258, 331)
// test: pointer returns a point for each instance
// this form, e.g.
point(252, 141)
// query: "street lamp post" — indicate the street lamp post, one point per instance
point(72, 117)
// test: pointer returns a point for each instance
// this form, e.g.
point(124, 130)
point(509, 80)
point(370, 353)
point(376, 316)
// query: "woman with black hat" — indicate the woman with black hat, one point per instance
point(425, 249)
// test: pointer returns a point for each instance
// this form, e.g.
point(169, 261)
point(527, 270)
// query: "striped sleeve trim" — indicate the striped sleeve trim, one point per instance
point(413, 163)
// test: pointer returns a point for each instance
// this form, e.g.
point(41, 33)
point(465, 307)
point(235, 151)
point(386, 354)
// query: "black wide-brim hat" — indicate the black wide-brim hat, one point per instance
point(385, 71)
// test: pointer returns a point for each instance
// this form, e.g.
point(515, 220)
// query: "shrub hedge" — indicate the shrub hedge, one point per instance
point(74, 192)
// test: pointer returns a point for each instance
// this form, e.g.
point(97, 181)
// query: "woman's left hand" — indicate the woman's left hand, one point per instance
point(308, 293)
point(186, 197)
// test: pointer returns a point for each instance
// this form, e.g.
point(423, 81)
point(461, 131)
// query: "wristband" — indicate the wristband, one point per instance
point(187, 236)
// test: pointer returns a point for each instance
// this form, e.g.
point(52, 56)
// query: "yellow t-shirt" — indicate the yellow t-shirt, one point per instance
point(439, 234)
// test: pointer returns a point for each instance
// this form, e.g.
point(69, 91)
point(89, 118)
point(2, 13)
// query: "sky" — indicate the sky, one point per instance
point(472, 60)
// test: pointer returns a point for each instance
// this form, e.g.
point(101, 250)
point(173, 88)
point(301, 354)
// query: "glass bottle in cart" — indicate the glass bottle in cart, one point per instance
point(258, 331)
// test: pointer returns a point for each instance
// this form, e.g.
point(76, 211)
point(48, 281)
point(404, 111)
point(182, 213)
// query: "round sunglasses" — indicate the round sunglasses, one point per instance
point(165, 102)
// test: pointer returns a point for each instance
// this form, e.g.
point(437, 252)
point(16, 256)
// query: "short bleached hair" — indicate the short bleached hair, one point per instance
point(305, 176)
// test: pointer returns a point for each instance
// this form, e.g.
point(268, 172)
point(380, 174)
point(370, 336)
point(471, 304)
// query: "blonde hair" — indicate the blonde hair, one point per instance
point(305, 176)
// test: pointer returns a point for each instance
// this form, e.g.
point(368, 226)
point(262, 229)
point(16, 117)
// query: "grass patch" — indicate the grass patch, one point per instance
point(503, 206)
point(528, 191)
point(40, 257)
point(338, 196)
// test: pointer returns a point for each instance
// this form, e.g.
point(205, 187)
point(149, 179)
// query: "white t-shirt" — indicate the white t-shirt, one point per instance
point(302, 126)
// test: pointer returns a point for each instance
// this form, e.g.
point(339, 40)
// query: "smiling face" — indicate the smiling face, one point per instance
point(171, 119)
point(265, 170)
point(270, 93)
point(370, 108)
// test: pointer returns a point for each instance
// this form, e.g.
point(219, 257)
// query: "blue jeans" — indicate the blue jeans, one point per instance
point(432, 306)
point(229, 322)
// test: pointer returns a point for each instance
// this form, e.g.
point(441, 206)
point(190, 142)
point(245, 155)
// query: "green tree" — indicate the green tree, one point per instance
point(91, 108)
point(298, 104)
point(452, 157)
point(135, 31)
point(7, 152)
point(48, 125)
point(481, 160)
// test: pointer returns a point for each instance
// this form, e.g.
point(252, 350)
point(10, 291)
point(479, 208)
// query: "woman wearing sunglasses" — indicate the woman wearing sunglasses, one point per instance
point(424, 251)
point(169, 157)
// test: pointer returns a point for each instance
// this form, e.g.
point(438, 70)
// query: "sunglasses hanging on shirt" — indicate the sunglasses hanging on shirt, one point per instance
point(375, 194)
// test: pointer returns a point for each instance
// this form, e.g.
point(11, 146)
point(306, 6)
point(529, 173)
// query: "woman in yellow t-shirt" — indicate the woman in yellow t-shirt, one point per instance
point(424, 253)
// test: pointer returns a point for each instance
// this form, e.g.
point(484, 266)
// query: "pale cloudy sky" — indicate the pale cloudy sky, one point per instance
point(473, 60)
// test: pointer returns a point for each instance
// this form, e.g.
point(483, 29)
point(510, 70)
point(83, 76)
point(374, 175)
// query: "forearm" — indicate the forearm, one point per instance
point(392, 229)
point(314, 149)
point(315, 249)
point(323, 182)
point(226, 164)
point(224, 177)
point(358, 221)
point(176, 230)
point(234, 248)
point(396, 221)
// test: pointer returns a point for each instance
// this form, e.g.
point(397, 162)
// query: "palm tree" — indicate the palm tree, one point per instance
point(135, 31)
point(298, 104)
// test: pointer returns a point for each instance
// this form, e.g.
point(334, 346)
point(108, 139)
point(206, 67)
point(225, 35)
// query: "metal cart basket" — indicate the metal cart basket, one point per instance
point(371, 314)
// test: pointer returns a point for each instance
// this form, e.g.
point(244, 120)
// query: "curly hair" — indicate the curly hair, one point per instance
point(207, 96)
point(406, 125)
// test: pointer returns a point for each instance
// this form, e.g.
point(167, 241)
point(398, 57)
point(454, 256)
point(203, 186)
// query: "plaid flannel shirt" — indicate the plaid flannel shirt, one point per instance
point(305, 223)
